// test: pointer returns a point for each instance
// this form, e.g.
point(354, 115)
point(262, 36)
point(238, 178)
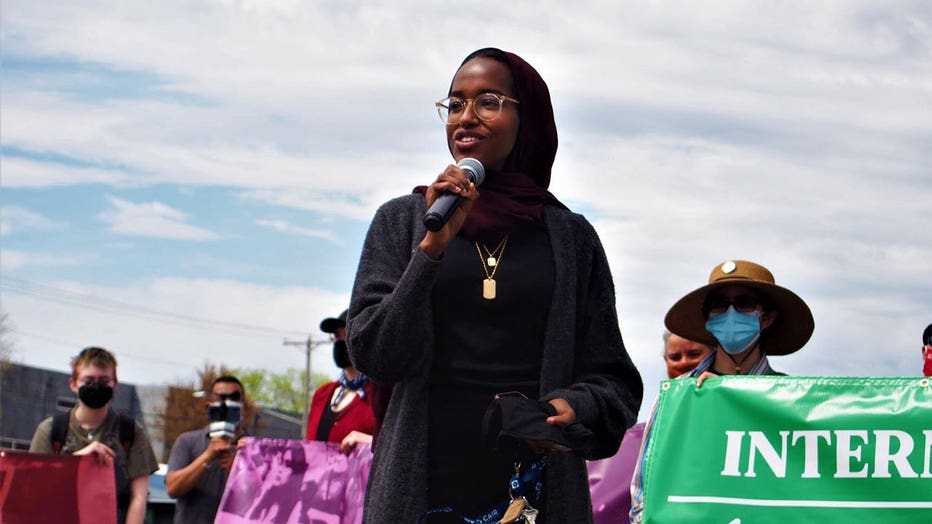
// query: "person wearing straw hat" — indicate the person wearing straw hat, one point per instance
point(745, 316)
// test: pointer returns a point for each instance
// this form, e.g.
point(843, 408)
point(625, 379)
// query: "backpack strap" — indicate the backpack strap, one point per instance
point(59, 430)
point(126, 430)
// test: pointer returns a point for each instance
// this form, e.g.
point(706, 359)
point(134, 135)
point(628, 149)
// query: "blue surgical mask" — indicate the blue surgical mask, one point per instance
point(735, 331)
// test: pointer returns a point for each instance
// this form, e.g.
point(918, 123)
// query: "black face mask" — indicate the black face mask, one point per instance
point(341, 354)
point(95, 395)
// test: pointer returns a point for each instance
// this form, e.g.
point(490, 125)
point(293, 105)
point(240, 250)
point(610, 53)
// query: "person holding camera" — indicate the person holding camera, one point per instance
point(201, 459)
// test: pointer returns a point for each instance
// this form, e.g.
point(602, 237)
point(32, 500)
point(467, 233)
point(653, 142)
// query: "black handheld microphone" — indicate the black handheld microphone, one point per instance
point(443, 207)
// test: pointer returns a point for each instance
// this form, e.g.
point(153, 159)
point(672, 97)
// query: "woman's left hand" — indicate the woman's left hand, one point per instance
point(564, 417)
point(350, 441)
point(703, 377)
point(565, 414)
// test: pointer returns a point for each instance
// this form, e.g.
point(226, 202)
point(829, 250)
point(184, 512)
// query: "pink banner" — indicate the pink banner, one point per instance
point(610, 480)
point(36, 488)
point(295, 481)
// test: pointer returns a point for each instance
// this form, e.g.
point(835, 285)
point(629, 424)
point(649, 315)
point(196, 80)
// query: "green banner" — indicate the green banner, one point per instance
point(753, 450)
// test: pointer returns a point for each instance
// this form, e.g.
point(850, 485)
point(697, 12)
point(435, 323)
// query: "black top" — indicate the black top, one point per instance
point(327, 418)
point(483, 347)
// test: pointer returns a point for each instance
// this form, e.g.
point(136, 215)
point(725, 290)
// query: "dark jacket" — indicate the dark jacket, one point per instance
point(390, 339)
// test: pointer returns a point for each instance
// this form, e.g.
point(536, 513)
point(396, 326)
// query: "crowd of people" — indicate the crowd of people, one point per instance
point(482, 359)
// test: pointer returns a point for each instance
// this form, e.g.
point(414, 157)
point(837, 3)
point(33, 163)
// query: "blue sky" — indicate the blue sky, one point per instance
point(173, 169)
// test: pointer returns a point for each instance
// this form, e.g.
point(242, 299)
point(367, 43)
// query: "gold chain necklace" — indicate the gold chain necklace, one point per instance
point(492, 259)
point(492, 256)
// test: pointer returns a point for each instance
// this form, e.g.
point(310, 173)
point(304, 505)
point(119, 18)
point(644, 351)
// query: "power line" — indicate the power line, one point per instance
point(66, 297)
point(308, 344)
point(73, 345)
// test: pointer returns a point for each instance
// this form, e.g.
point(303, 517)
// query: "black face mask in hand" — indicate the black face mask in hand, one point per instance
point(95, 395)
point(341, 354)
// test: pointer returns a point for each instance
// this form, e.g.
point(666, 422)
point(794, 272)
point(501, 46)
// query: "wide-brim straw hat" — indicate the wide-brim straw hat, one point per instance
point(789, 332)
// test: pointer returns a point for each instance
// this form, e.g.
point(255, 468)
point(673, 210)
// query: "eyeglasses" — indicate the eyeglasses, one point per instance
point(487, 106)
point(103, 381)
point(235, 396)
point(717, 304)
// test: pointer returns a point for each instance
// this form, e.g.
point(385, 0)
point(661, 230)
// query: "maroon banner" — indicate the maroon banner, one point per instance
point(36, 488)
point(292, 481)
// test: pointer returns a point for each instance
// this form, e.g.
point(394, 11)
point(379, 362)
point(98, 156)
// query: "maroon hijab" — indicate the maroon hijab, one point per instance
point(518, 192)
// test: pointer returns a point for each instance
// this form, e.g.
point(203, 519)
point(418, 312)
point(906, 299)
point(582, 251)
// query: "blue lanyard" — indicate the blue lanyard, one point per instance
point(523, 482)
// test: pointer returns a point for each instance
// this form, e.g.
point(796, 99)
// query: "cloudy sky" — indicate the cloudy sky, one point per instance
point(190, 181)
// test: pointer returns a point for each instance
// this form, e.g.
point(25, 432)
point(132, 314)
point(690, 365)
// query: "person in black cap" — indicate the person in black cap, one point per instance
point(927, 351)
point(341, 411)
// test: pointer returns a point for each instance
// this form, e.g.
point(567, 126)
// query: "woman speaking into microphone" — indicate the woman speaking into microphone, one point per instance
point(498, 329)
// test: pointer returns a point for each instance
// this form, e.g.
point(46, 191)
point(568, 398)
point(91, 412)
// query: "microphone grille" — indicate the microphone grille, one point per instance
point(471, 165)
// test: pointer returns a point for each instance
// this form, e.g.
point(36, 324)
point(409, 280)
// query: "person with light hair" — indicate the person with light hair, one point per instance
point(681, 354)
point(94, 428)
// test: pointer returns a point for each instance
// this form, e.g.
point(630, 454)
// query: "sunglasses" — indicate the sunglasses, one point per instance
point(236, 396)
point(717, 304)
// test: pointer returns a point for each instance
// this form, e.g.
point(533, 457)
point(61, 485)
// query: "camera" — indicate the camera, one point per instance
point(224, 415)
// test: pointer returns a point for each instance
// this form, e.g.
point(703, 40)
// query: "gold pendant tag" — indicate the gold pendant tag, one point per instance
point(488, 289)
point(491, 261)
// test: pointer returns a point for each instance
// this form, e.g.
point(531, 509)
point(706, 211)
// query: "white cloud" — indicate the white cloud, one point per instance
point(794, 134)
point(153, 219)
point(16, 218)
point(13, 259)
point(161, 330)
point(283, 226)
point(21, 172)
point(329, 203)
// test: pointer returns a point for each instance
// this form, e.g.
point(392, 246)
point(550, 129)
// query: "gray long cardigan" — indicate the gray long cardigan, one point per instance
point(390, 338)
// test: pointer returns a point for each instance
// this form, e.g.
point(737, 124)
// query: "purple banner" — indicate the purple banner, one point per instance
point(295, 481)
point(610, 479)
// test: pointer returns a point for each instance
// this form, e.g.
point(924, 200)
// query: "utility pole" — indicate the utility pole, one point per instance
point(308, 344)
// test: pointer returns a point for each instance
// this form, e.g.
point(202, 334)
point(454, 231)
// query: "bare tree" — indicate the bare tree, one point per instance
point(6, 343)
